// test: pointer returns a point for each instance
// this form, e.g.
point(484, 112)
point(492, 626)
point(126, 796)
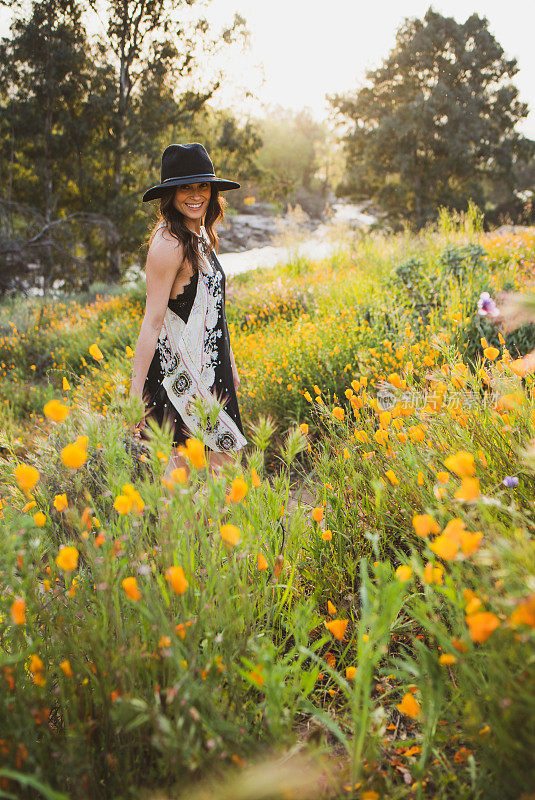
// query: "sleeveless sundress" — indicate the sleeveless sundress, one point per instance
point(217, 346)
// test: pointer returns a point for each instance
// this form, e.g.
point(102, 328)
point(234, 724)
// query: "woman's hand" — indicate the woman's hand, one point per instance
point(138, 428)
point(235, 376)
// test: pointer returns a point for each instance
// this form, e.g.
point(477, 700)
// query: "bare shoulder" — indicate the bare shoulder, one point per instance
point(165, 253)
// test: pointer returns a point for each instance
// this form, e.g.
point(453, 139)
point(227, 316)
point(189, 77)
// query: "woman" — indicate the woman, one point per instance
point(183, 364)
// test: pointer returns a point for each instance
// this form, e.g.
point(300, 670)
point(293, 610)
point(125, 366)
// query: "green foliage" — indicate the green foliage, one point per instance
point(435, 126)
point(292, 152)
point(179, 697)
point(268, 304)
point(318, 644)
point(109, 107)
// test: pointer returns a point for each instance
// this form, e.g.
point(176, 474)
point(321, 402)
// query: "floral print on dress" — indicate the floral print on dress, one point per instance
point(198, 339)
point(212, 332)
point(168, 361)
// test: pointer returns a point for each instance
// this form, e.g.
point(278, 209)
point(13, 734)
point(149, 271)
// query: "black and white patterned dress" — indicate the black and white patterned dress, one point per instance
point(217, 350)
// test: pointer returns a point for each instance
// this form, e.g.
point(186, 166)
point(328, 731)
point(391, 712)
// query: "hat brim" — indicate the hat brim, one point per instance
point(162, 188)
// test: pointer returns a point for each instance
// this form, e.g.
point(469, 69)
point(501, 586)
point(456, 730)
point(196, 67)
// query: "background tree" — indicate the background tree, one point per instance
point(233, 146)
point(45, 77)
point(154, 47)
point(83, 125)
point(436, 123)
point(289, 158)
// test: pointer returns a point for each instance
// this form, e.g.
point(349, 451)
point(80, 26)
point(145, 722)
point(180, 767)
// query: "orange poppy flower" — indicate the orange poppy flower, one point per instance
point(481, 625)
point(337, 627)
point(238, 490)
point(424, 524)
point(230, 534)
point(18, 611)
point(409, 706)
point(67, 558)
point(177, 579)
point(317, 514)
point(130, 587)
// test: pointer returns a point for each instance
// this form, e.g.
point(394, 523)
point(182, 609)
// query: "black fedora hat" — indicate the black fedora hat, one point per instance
point(186, 163)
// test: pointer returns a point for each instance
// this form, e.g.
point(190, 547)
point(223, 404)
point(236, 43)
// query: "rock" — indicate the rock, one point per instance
point(242, 231)
point(259, 226)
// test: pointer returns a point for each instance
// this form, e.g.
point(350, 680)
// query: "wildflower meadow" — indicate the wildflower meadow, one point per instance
point(348, 610)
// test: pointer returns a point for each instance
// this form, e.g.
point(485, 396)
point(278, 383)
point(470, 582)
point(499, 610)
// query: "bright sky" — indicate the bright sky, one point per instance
point(301, 49)
point(311, 48)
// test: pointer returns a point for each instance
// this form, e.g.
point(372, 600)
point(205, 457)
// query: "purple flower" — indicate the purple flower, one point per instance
point(509, 481)
point(486, 305)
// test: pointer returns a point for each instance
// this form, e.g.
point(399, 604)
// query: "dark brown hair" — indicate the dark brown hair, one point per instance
point(177, 227)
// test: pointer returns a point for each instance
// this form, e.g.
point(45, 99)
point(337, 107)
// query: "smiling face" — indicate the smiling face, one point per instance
point(191, 200)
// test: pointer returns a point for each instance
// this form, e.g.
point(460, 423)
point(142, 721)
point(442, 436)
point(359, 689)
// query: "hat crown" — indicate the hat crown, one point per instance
point(186, 160)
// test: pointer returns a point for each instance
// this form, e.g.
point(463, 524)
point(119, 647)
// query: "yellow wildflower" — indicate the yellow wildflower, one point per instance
point(317, 514)
point(66, 668)
point(60, 502)
point(122, 504)
point(75, 454)
point(391, 475)
point(26, 476)
point(96, 352)
point(470, 542)
point(194, 452)
point(491, 353)
point(424, 524)
point(469, 490)
point(56, 411)
point(255, 480)
point(403, 573)
point(444, 547)
point(179, 475)
point(462, 463)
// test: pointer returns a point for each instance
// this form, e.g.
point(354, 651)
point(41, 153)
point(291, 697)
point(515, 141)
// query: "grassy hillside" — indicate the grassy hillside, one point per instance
point(349, 612)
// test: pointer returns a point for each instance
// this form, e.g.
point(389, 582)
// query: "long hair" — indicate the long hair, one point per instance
point(177, 227)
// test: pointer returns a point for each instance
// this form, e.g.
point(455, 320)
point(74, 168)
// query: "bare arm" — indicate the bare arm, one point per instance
point(235, 375)
point(164, 259)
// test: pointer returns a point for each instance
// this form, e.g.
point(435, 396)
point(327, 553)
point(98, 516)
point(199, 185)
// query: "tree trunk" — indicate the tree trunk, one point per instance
point(123, 93)
point(115, 252)
point(418, 200)
point(47, 182)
